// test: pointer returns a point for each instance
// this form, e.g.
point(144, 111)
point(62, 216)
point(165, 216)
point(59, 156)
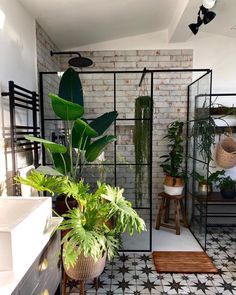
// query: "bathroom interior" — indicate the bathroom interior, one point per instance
point(119, 84)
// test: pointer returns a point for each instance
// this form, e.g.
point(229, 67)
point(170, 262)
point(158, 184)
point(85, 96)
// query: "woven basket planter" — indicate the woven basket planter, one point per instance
point(86, 268)
point(226, 152)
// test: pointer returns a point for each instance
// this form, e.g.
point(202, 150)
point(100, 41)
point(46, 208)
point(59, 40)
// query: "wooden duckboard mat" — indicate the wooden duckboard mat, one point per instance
point(183, 262)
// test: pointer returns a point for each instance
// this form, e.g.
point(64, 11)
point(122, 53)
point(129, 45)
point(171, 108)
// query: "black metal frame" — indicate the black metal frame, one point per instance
point(208, 203)
point(144, 72)
point(22, 98)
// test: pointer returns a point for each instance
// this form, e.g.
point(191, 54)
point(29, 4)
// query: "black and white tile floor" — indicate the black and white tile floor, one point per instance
point(134, 273)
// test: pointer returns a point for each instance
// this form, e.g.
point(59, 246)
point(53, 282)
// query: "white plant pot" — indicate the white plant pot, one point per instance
point(173, 190)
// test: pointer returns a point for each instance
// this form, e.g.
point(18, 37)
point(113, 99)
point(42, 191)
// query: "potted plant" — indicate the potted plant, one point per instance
point(227, 187)
point(205, 184)
point(172, 165)
point(89, 238)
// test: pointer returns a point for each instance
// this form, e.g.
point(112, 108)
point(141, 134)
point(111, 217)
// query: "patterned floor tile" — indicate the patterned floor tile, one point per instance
point(134, 273)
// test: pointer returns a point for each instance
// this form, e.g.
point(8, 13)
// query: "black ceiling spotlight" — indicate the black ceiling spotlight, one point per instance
point(194, 27)
point(208, 16)
point(79, 61)
point(204, 15)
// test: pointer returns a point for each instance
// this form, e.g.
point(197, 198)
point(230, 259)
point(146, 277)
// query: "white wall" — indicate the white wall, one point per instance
point(210, 51)
point(17, 57)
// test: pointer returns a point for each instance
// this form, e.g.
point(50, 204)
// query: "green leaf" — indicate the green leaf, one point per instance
point(62, 162)
point(102, 123)
point(96, 148)
point(81, 126)
point(47, 170)
point(64, 109)
point(81, 134)
point(70, 87)
point(51, 146)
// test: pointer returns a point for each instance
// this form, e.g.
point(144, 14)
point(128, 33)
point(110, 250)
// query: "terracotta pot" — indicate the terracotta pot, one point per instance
point(173, 187)
point(86, 268)
point(170, 181)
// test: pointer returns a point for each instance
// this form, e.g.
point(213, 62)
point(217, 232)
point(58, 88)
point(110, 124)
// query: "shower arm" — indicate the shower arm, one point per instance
point(64, 52)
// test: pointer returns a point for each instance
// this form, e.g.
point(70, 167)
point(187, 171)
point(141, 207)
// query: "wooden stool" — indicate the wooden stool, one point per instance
point(164, 212)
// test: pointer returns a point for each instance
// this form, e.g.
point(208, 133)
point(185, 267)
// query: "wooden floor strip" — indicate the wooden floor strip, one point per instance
point(183, 262)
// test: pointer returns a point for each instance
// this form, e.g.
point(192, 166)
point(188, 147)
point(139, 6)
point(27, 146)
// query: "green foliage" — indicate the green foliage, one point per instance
point(51, 146)
point(41, 182)
point(227, 183)
point(70, 87)
point(66, 110)
point(203, 131)
point(214, 177)
point(95, 148)
point(172, 165)
point(102, 123)
point(142, 143)
point(87, 225)
point(79, 137)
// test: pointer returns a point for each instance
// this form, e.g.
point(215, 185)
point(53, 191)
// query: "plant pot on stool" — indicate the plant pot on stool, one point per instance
point(173, 186)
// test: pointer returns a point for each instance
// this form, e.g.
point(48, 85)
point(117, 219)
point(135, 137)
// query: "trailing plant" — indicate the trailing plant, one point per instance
point(203, 132)
point(142, 143)
point(172, 165)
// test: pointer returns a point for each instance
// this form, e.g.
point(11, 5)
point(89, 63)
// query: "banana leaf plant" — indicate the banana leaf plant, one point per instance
point(85, 141)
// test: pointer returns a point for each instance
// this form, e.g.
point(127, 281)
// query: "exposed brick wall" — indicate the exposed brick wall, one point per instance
point(170, 98)
point(170, 101)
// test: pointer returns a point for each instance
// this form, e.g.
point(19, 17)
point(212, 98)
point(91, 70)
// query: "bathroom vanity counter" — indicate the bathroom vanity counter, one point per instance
point(40, 272)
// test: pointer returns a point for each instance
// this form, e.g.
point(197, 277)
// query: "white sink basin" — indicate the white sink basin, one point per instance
point(23, 222)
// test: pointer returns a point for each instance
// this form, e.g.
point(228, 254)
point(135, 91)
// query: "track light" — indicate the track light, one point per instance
point(194, 27)
point(204, 17)
point(208, 16)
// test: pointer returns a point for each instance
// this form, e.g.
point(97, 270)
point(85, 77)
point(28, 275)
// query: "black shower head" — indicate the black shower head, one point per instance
point(79, 62)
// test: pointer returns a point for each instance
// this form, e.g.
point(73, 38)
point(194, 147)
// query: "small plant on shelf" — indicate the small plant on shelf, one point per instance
point(227, 187)
point(205, 183)
point(172, 165)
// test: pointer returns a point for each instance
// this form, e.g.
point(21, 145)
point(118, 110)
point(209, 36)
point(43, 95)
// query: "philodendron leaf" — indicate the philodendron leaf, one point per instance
point(51, 146)
point(96, 148)
point(70, 87)
point(64, 109)
point(47, 170)
point(102, 123)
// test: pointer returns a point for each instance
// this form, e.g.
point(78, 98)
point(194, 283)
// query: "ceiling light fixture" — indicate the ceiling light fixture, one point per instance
point(204, 16)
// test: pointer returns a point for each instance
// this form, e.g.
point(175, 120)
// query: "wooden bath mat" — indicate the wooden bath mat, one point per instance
point(183, 262)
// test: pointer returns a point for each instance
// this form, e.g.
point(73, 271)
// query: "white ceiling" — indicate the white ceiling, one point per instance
point(73, 23)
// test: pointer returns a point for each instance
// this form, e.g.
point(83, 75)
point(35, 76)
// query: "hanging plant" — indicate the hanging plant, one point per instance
point(141, 143)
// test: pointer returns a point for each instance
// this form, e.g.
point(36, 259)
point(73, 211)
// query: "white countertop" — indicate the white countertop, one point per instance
point(10, 279)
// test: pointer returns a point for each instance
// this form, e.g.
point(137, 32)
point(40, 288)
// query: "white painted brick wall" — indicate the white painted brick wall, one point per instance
point(170, 99)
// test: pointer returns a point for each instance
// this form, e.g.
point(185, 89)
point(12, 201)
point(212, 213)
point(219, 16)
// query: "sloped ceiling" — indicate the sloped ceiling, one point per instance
point(72, 23)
